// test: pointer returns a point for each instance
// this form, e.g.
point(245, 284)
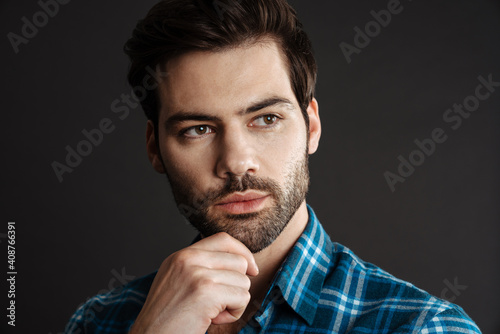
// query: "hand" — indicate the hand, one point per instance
point(203, 284)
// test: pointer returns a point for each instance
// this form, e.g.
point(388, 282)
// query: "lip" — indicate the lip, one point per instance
point(243, 203)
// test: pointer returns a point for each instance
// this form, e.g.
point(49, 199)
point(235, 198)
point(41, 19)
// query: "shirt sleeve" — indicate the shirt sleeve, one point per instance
point(111, 312)
point(450, 321)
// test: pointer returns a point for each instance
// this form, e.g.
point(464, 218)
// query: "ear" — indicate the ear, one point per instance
point(314, 125)
point(152, 148)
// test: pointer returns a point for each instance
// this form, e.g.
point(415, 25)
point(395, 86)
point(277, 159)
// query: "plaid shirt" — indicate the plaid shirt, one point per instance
point(322, 287)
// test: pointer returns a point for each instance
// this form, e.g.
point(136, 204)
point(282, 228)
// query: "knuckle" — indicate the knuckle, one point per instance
point(224, 237)
point(242, 263)
point(184, 257)
point(198, 273)
point(248, 283)
point(245, 296)
point(206, 284)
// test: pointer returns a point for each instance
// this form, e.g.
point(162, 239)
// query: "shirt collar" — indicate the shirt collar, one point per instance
point(303, 273)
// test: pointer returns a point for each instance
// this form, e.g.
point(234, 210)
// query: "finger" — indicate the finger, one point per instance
point(229, 278)
point(223, 242)
point(234, 301)
point(225, 318)
point(219, 260)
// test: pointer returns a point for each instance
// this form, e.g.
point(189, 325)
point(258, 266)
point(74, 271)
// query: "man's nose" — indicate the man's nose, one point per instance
point(237, 154)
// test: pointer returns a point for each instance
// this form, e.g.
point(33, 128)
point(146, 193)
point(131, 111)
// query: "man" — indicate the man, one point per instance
point(232, 119)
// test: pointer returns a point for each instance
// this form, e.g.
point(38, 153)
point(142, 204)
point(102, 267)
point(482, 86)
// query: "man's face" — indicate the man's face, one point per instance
point(233, 142)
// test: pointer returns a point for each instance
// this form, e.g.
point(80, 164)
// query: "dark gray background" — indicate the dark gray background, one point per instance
point(114, 213)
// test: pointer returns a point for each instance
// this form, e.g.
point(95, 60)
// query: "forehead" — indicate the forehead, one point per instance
point(224, 81)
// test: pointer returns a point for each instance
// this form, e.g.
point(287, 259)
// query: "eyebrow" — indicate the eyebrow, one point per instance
point(183, 116)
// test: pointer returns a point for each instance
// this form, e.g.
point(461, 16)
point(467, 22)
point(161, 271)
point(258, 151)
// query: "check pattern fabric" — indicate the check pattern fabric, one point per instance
point(321, 287)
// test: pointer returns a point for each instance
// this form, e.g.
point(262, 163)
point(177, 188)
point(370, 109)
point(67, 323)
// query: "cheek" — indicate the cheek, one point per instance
point(281, 153)
point(185, 167)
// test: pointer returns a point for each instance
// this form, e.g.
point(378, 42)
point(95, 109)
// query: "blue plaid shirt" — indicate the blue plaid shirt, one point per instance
point(322, 287)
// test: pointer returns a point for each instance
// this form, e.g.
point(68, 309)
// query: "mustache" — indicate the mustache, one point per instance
point(236, 184)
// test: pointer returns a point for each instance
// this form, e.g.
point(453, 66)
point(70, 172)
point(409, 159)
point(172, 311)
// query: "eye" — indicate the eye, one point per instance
point(265, 120)
point(197, 131)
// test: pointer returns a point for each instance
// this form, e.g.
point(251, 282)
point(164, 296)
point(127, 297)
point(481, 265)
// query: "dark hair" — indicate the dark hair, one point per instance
point(174, 27)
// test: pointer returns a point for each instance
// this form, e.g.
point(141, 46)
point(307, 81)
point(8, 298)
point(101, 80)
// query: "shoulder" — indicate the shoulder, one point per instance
point(364, 295)
point(111, 312)
point(450, 320)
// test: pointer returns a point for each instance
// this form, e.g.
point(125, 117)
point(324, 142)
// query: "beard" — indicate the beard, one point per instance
point(256, 230)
